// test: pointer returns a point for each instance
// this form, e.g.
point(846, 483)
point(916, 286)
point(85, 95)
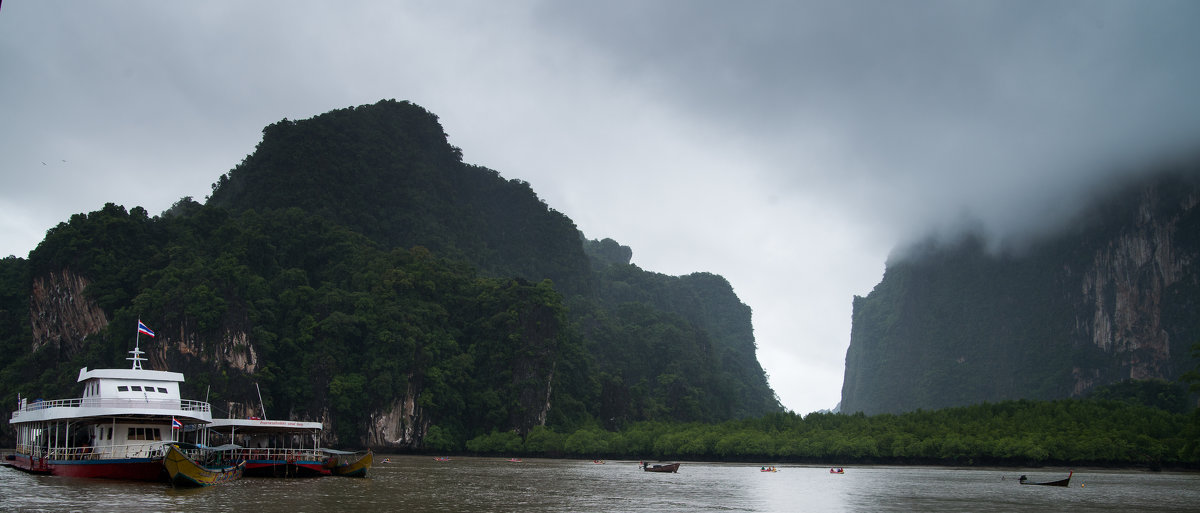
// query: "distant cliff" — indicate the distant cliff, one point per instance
point(1113, 298)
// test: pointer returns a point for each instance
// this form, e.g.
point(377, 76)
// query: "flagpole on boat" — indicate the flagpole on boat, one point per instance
point(137, 339)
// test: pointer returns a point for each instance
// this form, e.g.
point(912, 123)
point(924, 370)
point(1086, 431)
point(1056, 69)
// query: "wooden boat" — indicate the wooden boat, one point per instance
point(1061, 482)
point(349, 464)
point(184, 470)
point(116, 428)
point(661, 467)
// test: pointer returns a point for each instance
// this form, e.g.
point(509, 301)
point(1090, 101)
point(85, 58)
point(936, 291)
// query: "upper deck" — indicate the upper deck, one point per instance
point(186, 411)
point(134, 392)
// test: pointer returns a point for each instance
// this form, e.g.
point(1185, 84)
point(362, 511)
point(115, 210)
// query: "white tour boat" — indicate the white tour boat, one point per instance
point(115, 430)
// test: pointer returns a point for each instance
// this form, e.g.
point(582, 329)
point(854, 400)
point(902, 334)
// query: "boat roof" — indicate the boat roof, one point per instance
point(264, 426)
point(138, 374)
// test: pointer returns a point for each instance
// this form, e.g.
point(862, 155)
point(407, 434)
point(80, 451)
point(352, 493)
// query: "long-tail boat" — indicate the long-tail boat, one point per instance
point(1061, 482)
point(661, 467)
point(183, 469)
point(349, 464)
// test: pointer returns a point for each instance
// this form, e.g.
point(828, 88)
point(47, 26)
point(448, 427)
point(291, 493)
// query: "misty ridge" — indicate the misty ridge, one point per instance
point(1104, 294)
point(1062, 207)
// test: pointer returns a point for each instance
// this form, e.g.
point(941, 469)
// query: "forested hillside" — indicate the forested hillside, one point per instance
point(1113, 298)
point(361, 275)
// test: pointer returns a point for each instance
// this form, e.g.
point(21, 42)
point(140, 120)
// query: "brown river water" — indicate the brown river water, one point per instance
point(421, 484)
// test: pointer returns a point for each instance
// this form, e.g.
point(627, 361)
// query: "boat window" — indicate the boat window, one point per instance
point(136, 388)
point(122, 388)
point(145, 434)
point(162, 390)
point(110, 430)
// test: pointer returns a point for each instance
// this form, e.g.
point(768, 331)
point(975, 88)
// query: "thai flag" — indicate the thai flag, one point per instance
point(143, 329)
point(175, 424)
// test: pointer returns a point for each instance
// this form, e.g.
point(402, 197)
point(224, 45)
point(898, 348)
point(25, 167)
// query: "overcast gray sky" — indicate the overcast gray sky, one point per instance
point(786, 145)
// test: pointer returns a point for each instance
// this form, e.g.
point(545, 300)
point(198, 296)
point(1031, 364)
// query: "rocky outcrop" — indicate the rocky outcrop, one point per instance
point(61, 314)
point(1112, 299)
point(402, 425)
point(233, 350)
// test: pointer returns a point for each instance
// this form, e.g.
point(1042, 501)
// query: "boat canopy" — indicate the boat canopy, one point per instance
point(225, 447)
point(340, 453)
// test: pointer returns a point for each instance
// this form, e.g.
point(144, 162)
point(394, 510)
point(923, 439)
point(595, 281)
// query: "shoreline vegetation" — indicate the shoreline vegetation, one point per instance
point(1070, 432)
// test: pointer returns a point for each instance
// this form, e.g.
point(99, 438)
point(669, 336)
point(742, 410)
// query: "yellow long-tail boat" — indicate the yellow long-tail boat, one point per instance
point(341, 463)
point(183, 470)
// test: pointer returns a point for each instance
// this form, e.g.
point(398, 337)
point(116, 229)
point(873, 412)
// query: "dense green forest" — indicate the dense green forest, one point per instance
point(1073, 432)
point(352, 265)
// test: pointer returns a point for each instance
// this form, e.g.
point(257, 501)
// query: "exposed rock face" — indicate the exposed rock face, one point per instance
point(1114, 299)
point(233, 350)
point(60, 313)
point(402, 425)
point(1124, 288)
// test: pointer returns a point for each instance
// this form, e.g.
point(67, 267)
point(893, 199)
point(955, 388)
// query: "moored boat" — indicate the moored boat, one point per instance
point(274, 448)
point(349, 464)
point(200, 466)
point(115, 430)
point(661, 467)
point(1061, 482)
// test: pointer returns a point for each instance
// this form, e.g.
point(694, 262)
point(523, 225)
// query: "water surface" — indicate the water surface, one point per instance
point(420, 484)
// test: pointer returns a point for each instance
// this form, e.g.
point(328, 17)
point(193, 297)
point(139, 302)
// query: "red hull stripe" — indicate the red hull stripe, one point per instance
point(139, 469)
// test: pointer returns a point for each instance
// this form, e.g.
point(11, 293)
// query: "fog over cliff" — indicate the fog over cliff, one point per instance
point(1111, 299)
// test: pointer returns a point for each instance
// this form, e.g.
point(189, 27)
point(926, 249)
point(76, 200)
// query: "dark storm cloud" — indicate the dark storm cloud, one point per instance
point(921, 110)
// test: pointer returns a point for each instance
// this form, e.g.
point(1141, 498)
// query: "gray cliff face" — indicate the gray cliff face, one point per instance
point(1111, 300)
point(402, 425)
point(232, 351)
point(1124, 288)
point(61, 315)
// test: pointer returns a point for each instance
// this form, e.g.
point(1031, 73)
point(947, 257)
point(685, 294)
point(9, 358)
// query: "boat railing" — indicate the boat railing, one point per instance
point(276, 454)
point(115, 402)
point(103, 452)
